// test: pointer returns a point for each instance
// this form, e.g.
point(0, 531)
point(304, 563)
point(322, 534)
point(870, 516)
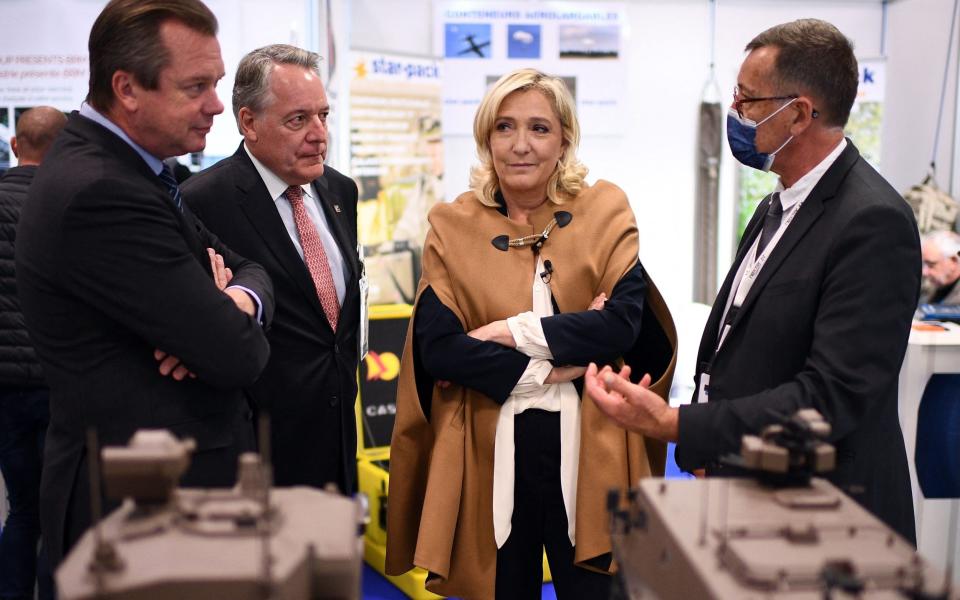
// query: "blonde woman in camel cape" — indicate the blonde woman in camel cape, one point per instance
point(527, 278)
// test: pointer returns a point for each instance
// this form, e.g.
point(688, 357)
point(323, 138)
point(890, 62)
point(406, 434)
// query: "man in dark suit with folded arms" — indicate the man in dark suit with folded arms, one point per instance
point(275, 202)
point(815, 311)
point(125, 293)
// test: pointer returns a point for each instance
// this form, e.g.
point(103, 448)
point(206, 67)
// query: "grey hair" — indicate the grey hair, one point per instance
point(251, 87)
point(947, 242)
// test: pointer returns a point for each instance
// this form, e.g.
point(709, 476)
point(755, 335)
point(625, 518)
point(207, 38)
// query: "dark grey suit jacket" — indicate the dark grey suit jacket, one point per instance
point(825, 325)
point(310, 384)
point(108, 270)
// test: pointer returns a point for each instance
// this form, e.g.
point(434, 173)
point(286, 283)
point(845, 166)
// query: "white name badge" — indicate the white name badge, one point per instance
point(364, 305)
point(703, 392)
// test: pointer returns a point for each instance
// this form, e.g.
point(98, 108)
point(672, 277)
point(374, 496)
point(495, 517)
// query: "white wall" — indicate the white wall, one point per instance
point(917, 34)
point(667, 43)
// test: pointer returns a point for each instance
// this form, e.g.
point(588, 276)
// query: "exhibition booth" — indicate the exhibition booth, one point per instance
point(652, 82)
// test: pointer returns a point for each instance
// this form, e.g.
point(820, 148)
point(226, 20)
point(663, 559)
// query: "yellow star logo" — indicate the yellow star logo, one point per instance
point(360, 70)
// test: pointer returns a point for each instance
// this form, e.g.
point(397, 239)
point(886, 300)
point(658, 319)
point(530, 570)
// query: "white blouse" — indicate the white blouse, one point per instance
point(531, 392)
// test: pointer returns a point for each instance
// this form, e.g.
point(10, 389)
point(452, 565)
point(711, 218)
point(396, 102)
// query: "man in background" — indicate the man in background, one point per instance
point(941, 267)
point(125, 293)
point(815, 311)
point(275, 202)
point(24, 397)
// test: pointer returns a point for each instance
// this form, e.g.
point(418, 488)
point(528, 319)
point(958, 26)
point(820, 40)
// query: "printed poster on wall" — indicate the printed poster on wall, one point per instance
point(866, 116)
point(43, 60)
point(581, 43)
point(396, 157)
point(43, 57)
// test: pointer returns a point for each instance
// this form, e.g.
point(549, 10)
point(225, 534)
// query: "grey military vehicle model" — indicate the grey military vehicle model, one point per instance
point(780, 534)
point(252, 542)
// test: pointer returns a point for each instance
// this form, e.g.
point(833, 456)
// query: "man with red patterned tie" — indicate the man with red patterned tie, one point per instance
point(275, 202)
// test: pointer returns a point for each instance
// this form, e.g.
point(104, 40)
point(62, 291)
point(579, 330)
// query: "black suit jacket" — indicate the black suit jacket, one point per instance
point(310, 384)
point(108, 270)
point(825, 325)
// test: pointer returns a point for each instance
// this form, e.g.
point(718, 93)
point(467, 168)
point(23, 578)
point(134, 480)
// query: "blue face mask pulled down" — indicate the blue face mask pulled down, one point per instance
point(742, 137)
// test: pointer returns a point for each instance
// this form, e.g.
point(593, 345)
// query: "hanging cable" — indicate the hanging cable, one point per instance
point(711, 84)
point(713, 37)
point(883, 29)
point(943, 91)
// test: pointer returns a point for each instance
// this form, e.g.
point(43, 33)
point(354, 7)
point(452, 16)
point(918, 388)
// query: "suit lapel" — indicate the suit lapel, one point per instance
point(186, 220)
point(708, 342)
point(332, 211)
point(261, 210)
point(807, 215)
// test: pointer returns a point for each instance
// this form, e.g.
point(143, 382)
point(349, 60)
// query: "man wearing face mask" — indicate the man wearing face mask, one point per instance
point(815, 311)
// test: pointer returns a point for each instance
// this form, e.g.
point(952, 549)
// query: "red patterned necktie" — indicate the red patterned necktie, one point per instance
point(315, 256)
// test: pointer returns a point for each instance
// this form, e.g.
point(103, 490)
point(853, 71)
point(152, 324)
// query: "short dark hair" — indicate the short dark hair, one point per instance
point(815, 57)
point(126, 36)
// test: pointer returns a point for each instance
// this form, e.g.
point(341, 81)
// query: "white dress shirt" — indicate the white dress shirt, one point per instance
point(531, 392)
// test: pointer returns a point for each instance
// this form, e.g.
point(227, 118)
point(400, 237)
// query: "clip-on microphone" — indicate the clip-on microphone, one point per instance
point(547, 274)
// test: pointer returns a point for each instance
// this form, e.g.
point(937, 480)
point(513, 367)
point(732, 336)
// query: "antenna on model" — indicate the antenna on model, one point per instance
point(265, 526)
point(105, 558)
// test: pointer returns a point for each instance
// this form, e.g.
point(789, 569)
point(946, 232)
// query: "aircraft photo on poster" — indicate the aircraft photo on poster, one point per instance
point(467, 40)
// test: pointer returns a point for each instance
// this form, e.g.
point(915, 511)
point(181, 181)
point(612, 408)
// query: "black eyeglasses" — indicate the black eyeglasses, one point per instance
point(738, 102)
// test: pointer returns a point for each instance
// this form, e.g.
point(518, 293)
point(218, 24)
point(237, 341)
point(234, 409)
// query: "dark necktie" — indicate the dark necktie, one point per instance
point(170, 182)
point(315, 256)
point(771, 223)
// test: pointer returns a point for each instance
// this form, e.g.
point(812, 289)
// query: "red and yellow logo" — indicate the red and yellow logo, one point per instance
point(382, 366)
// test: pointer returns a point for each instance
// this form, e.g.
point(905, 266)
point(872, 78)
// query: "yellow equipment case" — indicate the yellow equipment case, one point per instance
point(376, 407)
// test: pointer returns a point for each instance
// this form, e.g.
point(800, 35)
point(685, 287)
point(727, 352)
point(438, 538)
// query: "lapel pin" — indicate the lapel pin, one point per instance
point(336, 207)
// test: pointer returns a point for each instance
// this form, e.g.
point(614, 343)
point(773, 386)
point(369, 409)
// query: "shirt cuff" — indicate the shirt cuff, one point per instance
point(256, 300)
point(528, 334)
point(532, 378)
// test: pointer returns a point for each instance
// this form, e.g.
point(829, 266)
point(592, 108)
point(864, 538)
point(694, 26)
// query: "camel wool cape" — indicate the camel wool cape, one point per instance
point(440, 513)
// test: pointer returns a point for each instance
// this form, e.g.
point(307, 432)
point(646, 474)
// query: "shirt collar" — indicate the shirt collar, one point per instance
point(275, 186)
point(155, 164)
point(802, 188)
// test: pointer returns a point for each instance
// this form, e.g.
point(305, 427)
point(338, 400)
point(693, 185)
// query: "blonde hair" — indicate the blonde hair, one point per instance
point(567, 178)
